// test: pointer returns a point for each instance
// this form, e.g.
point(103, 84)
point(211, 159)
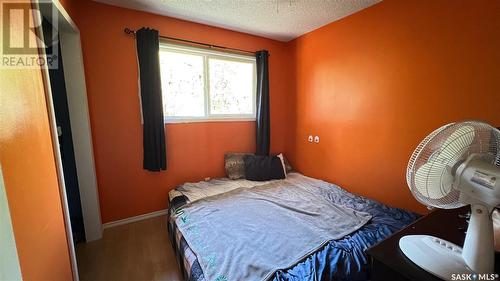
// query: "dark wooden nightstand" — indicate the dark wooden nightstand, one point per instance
point(389, 263)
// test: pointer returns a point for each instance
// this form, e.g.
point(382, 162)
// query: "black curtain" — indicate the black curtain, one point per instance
point(263, 133)
point(152, 106)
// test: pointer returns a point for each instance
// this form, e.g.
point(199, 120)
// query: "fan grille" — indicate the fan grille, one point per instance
point(429, 173)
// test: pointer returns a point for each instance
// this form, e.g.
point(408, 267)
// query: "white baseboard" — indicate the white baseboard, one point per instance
point(134, 219)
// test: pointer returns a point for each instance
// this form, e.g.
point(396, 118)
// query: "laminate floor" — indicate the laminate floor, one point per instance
point(138, 251)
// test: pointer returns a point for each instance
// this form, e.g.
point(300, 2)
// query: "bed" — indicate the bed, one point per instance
point(337, 259)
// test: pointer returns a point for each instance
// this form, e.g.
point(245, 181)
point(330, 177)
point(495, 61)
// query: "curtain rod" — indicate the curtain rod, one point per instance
point(132, 32)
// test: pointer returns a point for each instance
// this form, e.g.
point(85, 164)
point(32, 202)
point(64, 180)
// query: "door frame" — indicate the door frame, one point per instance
point(71, 50)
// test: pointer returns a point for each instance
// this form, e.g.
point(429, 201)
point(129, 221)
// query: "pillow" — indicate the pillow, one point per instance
point(288, 167)
point(282, 159)
point(263, 168)
point(234, 165)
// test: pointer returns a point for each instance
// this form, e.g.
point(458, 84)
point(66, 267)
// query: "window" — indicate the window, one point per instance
point(206, 85)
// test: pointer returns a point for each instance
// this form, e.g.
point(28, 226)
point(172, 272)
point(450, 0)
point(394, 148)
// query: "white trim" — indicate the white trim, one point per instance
point(135, 218)
point(71, 52)
point(81, 133)
point(169, 120)
point(82, 140)
point(37, 17)
point(206, 90)
point(63, 14)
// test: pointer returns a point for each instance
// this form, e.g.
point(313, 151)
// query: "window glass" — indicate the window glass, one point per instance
point(182, 84)
point(231, 87)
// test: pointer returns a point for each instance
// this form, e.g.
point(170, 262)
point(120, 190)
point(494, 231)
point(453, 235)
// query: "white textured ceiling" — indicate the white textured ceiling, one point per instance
point(282, 20)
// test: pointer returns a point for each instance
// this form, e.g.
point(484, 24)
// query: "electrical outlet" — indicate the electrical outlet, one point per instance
point(316, 139)
point(310, 138)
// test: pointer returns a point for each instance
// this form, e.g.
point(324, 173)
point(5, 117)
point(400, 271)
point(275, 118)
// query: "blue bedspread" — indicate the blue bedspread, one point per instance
point(345, 259)
point(342, 259)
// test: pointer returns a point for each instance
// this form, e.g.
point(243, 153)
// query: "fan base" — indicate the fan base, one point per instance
point(436, 256)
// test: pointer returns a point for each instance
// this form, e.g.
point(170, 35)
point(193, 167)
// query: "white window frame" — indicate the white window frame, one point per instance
point(207, 54)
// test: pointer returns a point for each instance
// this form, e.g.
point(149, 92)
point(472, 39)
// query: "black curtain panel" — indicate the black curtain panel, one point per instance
point(151, 100)
point(263, 133)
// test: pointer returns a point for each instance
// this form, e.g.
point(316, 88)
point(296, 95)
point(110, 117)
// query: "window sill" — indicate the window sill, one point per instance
point(208, 120)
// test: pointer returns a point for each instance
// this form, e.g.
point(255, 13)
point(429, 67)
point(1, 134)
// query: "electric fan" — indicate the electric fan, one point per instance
point(456, 165)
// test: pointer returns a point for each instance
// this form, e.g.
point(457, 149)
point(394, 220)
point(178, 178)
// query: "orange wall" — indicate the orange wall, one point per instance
point(30, 176)
point(374, 84)
point(194, 151)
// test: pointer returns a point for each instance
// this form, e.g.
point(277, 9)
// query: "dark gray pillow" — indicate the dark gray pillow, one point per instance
point(234, 165)
point(263, 168)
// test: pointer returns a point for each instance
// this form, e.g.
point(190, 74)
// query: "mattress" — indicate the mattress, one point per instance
point(341, 259)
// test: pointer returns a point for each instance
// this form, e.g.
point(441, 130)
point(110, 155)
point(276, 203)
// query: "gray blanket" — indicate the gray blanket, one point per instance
point(249, 233)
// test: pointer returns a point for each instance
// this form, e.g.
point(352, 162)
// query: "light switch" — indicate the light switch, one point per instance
point(316, 139)
point(310, 138)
